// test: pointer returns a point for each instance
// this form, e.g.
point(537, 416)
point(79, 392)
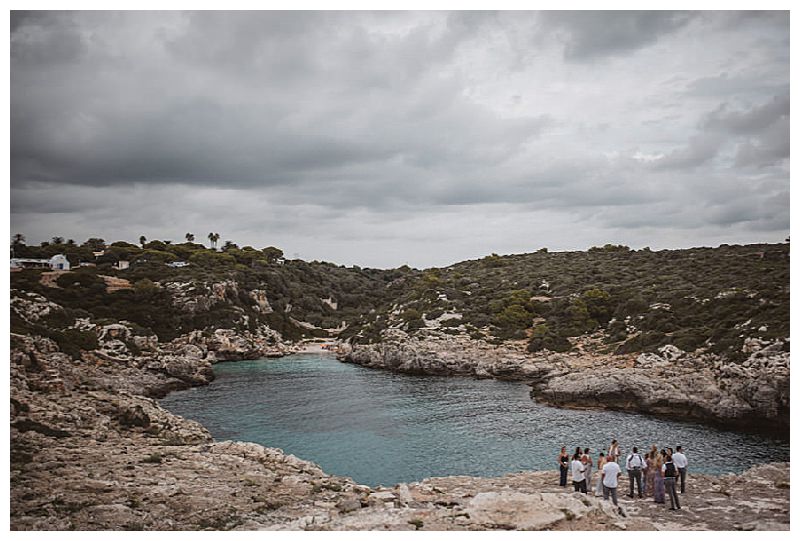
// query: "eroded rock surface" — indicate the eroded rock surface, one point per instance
point(92, 450)
point(751, 395)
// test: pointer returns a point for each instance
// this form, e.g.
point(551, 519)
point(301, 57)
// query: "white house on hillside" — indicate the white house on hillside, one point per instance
point(57, 262)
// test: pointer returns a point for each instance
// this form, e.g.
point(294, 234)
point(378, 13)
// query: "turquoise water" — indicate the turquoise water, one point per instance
point(380, 427)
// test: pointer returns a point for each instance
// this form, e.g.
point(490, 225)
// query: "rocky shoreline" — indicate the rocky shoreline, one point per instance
point(749, 396)
point(102, 460)
point(91, 449)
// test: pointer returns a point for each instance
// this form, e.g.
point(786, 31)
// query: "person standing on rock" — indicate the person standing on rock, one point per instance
point(601, 461)
point(578, 470)
point(670, 472)
point(613, 451)
point(644, 474)
point(651, 471)
point(563, 464)
point(681, 462)
point(588, 463)
point(658, 480)
point(634, 464)
point(610, 479)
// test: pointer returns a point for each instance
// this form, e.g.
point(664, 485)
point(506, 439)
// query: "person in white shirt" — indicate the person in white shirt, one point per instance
point(610, 477)
point(578, 478)
point(634, 464)
point(680, 461)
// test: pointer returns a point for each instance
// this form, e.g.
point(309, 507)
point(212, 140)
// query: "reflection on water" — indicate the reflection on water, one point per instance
point(379, 427)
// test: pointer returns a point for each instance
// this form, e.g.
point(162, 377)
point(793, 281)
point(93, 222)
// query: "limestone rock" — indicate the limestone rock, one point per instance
point(513, 511)
point(31, 306)
point(114, 332)
point(262, 302)
point(753, 395)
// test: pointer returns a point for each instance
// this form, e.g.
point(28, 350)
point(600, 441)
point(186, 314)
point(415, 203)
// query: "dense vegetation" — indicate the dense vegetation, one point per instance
point(638, 300)
point(296, 290)
point(635, 300)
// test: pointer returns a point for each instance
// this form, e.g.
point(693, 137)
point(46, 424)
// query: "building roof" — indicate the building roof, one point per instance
point(32, 260)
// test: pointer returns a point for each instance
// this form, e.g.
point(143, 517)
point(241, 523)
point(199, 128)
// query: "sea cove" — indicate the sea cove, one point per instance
point(370, 270)
point(381, 427)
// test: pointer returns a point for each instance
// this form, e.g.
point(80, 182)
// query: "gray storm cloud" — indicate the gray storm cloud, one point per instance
point(385, 138)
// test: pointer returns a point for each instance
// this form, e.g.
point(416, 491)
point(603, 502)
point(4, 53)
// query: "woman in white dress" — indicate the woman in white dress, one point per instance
point(588, 463)
point(613, 451)
point(601, 461)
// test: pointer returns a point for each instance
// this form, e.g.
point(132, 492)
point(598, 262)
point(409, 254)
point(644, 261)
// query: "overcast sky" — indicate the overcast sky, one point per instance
point(424, 138)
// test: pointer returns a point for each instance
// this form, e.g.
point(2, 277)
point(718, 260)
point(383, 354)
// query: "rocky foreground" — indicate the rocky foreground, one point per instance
point(91, 450)
point(752, 395)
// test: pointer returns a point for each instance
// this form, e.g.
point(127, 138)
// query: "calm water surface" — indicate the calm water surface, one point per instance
point(379, 427)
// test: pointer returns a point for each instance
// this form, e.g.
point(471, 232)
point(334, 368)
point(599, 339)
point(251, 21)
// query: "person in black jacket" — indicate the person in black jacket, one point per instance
point(670, 472)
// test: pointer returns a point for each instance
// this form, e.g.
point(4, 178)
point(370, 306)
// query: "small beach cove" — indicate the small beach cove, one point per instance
point(382, 428)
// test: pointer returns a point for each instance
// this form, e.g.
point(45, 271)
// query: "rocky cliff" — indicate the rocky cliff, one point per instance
point(90, 451)
point(751, 395)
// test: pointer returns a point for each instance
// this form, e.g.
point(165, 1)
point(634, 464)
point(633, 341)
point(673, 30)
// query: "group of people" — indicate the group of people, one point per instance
point(654, 473)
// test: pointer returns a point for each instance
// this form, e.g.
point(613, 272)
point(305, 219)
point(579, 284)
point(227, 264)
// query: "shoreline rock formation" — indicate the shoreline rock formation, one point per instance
point(91, 449)
point(752, 396)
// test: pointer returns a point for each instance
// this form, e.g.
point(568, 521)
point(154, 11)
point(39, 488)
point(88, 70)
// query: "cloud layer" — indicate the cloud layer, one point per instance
point(402, 137)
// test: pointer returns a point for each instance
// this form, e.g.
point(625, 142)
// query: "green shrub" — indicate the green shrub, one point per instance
point(598, 304)
point(81, 280)
point(154, 458)
point(644, 342)
point(544, 338)
point(689, 339)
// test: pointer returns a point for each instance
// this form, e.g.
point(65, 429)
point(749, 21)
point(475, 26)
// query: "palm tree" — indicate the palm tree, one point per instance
point(17, 240)
point(189, 237)
point(213, 237)
point(58, 240)
point(70, 242)
point(142, 240)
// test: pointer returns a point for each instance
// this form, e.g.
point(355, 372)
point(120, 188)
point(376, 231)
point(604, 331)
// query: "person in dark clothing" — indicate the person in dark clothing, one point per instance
point(670, 472)
point(563, 463)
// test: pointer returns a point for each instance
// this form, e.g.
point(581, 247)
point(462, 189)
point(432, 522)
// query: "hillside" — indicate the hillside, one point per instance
point(246, 291)
point(92, 348)
point(700, 299)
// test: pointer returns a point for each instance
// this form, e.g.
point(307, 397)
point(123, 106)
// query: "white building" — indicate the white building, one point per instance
point(57, 262)
point(177, 264)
